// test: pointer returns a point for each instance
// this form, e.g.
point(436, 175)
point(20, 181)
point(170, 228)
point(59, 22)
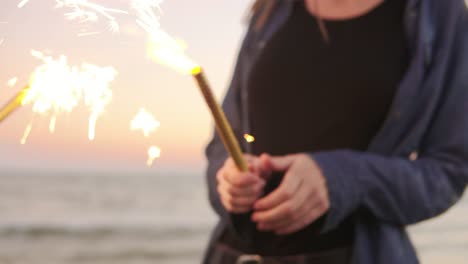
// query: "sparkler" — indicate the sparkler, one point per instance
point(87, 11)
point(13, 104)
point(222, 124)
point(12, 82)
point(22, 3)
point(166, 50)
point(145, 122)
point(153, 153)
point(56, 87)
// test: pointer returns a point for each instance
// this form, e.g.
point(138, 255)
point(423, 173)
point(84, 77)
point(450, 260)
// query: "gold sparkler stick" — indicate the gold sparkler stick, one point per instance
point(13, 104)
point(222, 124)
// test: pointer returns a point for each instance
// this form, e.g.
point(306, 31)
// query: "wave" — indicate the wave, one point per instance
point(38, 231)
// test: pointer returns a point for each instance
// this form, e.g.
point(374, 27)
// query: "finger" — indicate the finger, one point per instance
point(301, 214)
point(319, 207)
point(234, 204)
point(299, 224)
point(235, 209)
point(239, 201)
point(254, 190)
point(240, 179)
point(236, 201)
point(264, 167)
point(277, 163)
point(286, 212)
point(286, 191)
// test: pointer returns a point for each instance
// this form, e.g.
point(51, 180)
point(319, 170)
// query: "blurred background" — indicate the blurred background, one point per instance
point(64, 199)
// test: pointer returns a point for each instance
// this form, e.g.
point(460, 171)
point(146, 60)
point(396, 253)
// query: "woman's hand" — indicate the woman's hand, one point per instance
point(301, 198)
point(239, 190)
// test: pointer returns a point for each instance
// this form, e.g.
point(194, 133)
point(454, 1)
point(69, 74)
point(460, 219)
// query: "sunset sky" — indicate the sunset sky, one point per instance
point(212, 30)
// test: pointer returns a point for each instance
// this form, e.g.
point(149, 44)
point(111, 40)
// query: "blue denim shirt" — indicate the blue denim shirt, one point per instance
point(416, 167)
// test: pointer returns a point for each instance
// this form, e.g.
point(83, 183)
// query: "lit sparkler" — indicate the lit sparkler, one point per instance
point(55, 87)
point(12, 82)
point(153, 153)
point(144, 121)
point(164, 49)
point(22, 3)
point(249, 138)
point(87, 11)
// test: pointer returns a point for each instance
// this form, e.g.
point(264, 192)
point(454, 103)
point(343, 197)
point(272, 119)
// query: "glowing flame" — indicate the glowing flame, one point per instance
point(153, 153)
point(56, 87)
point(26, 133)
point(162, 48)
point(12, 82)
point(249, 138)
point(144, 121)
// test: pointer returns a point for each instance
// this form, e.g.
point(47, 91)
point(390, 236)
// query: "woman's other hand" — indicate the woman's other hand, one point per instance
point(300, 199)
point(239, 190)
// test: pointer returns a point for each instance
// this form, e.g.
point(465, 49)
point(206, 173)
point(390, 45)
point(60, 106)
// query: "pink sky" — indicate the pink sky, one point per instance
point(211, 28)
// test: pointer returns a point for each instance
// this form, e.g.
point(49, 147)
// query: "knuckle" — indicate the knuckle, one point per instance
point(229, 200)
point(230, 190)
point(239, 182)
point(219, 175)
point(288, 210)
point(323, 205)
point(286, 194)
point(220, 190)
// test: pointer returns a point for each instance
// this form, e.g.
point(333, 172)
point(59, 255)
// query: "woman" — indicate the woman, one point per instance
point(360, 113)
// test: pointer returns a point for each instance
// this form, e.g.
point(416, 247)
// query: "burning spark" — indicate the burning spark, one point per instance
point(162, 48)
point(249, 138)
point(53, 121)
point(87, 11)
point(56, 87)
point(12, 82)
point(153, 153)
point(144, 121)
point(22, 3)
point(27, 131)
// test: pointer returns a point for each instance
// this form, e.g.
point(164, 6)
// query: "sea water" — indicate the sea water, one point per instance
point(138, 218)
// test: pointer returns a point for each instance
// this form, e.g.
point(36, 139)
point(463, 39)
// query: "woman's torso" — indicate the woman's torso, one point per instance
point(308, 95)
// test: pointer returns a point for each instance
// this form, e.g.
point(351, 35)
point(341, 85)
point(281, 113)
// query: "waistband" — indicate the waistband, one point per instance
point(223, 254)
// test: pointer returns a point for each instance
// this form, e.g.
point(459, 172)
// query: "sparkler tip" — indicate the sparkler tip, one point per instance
point(249, 138)
point(196, 70)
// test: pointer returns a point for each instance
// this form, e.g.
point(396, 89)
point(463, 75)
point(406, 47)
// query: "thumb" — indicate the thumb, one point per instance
point(279, 163)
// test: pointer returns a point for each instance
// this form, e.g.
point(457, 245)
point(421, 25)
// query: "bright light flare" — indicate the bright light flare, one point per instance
point(153, 153)
point(249, 138)
point(26, 133)
point(87, 11)
point(162, 48)
point(12, 82)
point(55, 87)
point(144, 121)
point(22, 3)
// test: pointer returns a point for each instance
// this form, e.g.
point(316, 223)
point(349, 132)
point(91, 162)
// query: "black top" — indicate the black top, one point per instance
point(306, 95)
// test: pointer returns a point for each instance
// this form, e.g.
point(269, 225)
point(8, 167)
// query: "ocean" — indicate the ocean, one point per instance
point(103, 218)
